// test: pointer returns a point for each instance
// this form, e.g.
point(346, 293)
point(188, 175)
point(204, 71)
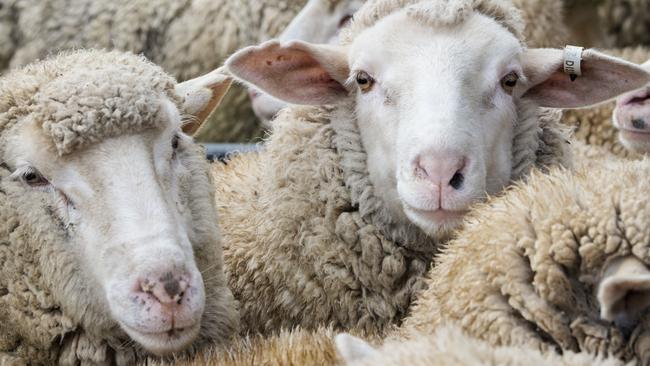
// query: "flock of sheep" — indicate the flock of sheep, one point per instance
point(427, 182)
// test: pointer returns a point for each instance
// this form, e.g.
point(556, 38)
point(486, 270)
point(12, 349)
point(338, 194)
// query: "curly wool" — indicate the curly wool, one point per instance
point(539, 24)
point(626, 22)
point(49, 312)
point(534, 283)
point(593, 126)
point(309, 242)
point(448, 346)
point(187, 38)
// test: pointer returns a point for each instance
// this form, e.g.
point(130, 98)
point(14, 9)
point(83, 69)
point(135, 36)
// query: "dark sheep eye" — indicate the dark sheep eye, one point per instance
point(509, 82)
point(175, 142)
point(364, 81)
point(34, 178)
point(345, 20)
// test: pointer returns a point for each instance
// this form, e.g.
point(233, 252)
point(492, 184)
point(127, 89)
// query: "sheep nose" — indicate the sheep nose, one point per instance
point(442, 169)
point(167, 289)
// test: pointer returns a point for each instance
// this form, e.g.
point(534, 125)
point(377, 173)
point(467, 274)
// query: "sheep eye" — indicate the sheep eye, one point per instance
point(365, 81)
point(175, 141)
point(344, 21)
point(509, 82)
point(34, 178)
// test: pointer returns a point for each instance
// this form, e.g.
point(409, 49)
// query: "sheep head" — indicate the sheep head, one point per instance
point(437, 90)
point(632, 117)
point(98, 144)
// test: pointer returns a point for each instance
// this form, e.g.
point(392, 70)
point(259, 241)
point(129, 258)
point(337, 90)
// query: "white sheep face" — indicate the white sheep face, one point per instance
point(437, 127)
point(125, 202)
point(436, 102)
point(319, 21)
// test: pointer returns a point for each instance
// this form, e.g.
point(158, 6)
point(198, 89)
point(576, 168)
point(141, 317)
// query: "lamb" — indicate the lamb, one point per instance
point(338, 219)
point(109, 251)
point(594, 125)
point(186, 37)
point(321, 20)
point(569, 272)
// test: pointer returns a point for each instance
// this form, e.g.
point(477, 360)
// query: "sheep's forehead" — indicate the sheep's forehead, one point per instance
point(421, 55)
point(88, 106)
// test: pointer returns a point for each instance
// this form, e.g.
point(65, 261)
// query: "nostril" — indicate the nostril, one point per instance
point(638, 123)
point(457, 180)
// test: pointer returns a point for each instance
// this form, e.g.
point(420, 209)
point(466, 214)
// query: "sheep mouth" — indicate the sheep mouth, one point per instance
point(165, 342)
point(440, 215)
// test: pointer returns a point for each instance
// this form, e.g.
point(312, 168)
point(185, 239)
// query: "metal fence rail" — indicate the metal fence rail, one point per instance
point(222, 151)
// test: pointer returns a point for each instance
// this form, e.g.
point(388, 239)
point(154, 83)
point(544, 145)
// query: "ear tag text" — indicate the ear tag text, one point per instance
point(572, 60)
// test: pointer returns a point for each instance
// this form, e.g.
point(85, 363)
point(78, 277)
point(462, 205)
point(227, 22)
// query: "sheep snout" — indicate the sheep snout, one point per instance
point(632, 118)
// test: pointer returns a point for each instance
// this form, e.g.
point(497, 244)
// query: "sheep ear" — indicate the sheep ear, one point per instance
point(624, 291)
point(201, 96)
point(353, 349)
point(602, 77)
point(296, 72)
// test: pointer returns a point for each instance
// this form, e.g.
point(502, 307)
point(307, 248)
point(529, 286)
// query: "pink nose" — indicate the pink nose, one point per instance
point(168, 289)
point(442, 169)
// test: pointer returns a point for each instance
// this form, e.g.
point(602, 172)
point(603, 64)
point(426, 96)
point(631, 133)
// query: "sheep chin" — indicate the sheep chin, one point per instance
point(163, 343)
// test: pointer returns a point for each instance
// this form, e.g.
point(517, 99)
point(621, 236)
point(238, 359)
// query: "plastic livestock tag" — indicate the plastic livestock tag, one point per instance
point(572, 60)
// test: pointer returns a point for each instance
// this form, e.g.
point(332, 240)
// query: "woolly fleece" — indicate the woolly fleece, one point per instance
point(48, 310)
point(447, 347)
point(534, 282)
point(306, 240)
point(186, 37)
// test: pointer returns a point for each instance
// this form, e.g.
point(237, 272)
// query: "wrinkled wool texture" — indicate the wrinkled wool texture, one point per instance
point(307, 241)
point(447, 347)
point(593, 126)
point(49, 310)
point(450, 347)
point(625, 22)
point(186, 37)
point(525, 268)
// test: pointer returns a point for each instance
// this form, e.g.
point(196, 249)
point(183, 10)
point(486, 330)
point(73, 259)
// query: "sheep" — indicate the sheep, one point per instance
point(556, 263)
point(448, 346)
point(593, 126)
point(337, 220)
point(187, 38)
point(109, 250)
point(321, 20)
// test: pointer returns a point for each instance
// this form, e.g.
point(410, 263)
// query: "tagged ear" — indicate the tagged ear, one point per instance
point(624, 291)
point(295, 72)
point(353, 349)
point(201, 96)
point(602, 77)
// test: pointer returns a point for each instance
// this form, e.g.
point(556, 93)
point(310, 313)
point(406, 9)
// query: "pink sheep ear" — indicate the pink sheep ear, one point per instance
point(201, 96)
point(624, 290)
point(602, 77)
point(295, 72)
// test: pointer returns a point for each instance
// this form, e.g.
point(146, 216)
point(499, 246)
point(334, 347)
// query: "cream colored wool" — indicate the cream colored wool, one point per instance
point(48, 311)
point(306, 240)
point(525, 268)
point(297, 347)
point(594, 125)
point(625, 22)
point(447, 347)
point(450, 347)
point(186, 37)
